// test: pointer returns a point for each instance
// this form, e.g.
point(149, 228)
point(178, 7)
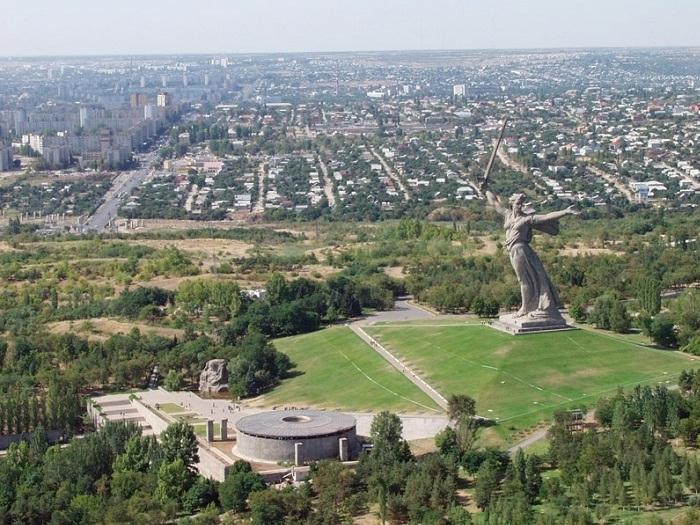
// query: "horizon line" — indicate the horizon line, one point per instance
point(339, 52)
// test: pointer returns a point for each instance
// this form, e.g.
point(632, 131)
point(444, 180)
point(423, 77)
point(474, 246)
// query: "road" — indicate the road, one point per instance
point(611, 179)
point(327, 183)
point(392, 174)
point(259, 206)
point(122, 186)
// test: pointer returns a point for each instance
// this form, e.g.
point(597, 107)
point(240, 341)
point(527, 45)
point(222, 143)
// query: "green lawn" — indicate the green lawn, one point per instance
point(171, 408)
point(518, 381)
point(201, 430)
point(336, 369)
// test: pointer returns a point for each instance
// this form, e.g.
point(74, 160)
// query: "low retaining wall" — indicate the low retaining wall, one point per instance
point(52, 436)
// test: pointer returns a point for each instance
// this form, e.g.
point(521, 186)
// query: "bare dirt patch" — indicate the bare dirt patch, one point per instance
point(586, 250)
point(420, 447)
point(101, 328)
point(395, 272)
point(209, 247)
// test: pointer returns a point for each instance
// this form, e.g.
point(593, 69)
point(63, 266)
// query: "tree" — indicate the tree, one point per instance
point(663, 332)
point(461, 408)
point(533, 478)
point(257, 366)
point(179, 441)
point(240, 483)
point(686, 312)
point(600, 315)
point(141, 454)
point(620, 321)
point(458, 516)
point(578, 310)
point(174, 479)
point(174, 381)
point(487, 481)
point(201, 493)
point(267, 508)
point(276, 289)
point(385, 431)
point(649, 295)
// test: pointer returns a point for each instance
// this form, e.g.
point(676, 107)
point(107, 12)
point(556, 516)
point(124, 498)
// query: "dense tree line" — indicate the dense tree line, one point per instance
point(108, 477)
point(302, 305)
point(24, 410)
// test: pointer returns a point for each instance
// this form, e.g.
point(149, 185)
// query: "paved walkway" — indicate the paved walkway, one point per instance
point(414, 426)
point(400, 366)
point(403, 311)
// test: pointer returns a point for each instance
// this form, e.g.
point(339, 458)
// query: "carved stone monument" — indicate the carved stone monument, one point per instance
point(540, 302)
point(214, 377)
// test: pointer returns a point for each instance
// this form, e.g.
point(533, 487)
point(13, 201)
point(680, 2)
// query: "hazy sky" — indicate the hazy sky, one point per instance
point(56, 27)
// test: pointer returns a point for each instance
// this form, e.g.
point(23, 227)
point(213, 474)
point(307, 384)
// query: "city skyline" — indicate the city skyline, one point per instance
point(265, 26)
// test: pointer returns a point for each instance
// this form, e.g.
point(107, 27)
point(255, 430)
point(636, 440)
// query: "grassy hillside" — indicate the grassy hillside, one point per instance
point(520, 380)
point(336, 369)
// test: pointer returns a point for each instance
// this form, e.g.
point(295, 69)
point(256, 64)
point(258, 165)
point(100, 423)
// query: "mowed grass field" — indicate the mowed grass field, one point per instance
point(519, 381)
point(336, 369)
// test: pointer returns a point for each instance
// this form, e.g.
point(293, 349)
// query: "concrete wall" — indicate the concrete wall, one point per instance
point(313, 449)
point(157, 423)
point(211, 465)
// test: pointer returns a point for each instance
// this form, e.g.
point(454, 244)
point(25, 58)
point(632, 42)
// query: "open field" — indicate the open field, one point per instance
point(337, 370)
point(518, 381)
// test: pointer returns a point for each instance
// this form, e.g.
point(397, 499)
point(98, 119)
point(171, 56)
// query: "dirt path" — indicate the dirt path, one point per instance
point(392, 174)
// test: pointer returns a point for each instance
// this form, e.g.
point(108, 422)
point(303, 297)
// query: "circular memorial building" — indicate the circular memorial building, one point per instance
point(298, 436)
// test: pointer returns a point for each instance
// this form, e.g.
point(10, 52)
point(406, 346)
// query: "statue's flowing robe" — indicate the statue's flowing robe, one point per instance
point(538, 293)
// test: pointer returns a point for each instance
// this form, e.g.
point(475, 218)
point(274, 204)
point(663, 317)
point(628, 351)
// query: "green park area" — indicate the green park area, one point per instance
point(336, 369)
point(520, 380)
point(517, 381)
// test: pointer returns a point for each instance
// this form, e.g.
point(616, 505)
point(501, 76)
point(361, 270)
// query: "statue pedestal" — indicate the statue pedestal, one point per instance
point(532, 323)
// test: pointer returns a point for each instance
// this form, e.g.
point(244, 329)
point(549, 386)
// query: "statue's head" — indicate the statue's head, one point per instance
point(517, 200)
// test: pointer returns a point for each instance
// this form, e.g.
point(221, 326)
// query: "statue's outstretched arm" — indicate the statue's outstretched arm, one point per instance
point(547, 217)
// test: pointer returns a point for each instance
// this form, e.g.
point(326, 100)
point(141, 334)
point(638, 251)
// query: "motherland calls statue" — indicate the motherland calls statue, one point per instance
point(540, 302)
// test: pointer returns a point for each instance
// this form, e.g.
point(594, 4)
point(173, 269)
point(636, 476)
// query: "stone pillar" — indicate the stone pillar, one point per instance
point(224, 429)
point(297, 454)
point(210, 430)
point(343, 450)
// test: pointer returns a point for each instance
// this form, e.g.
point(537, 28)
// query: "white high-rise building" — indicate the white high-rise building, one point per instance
point(459, 90)
point(163, 100)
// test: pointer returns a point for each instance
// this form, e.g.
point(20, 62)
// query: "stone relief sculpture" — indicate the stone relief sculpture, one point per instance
point(214, 377)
